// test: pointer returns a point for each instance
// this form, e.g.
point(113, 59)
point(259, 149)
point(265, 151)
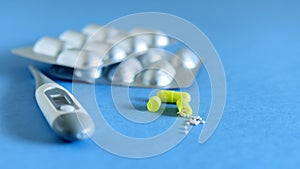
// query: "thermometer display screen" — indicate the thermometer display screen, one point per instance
point(60, 99)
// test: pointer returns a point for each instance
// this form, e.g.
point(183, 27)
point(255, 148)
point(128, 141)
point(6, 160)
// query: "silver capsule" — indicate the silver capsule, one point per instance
point(160, 40)
point(139, 45)
point(112, 32)
point(121, 40)
point(95, 32)
point(126, 71)
point(88, 74)
point(142, 39)
point(151, 37)
point(117, 53)
point(78, 58)
point(90, 29)
point(48, 46)
point(121, 46)
point(160, 73)
point(101, 49)
point(143, 34)
point(185, 57)
point(153, 55)
point(73, 39)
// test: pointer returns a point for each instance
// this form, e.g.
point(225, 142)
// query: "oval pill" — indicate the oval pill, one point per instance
point(154, 104)
point(170, 96)
point(126, 71)
point(188, 58)
point(73, 39)
point(160, 73)
point(48, 46)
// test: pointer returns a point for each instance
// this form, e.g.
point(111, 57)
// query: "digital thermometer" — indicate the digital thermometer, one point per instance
point(62, 111)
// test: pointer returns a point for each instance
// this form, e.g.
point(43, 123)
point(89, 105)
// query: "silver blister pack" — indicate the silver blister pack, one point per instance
point(156, 68)
point(93, 46)
point(106, 55)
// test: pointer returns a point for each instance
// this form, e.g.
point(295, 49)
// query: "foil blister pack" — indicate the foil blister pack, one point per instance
point(106, 55)
point(94, 46)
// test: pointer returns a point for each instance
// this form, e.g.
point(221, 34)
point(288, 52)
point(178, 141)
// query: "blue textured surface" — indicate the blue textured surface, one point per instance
point(258, 43)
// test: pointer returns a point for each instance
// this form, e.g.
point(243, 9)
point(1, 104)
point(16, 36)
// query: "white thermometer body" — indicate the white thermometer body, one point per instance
point(61, 109)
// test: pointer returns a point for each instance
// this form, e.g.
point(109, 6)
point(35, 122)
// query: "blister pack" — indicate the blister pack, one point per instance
point(106, 55)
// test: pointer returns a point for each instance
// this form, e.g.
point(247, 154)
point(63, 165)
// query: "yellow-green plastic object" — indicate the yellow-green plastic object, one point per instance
point(169, 96)
point(184, 108)
point(153, 104)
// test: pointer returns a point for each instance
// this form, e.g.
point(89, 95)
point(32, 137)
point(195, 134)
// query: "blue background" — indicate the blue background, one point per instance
point(258, 43)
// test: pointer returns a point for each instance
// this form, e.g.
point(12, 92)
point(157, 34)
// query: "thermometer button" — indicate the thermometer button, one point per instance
point(67, 108)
